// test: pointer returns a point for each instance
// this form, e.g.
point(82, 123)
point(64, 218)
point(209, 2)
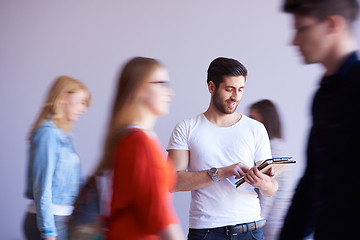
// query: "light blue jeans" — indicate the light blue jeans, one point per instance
point(32, 232)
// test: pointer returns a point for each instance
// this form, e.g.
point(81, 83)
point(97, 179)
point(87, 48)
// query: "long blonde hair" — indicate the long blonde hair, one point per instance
point(134, 75)
point(52, 108)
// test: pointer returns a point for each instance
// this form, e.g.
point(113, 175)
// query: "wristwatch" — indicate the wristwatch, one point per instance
point(213, 174)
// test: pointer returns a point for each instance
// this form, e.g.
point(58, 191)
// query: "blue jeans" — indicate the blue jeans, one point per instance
point(217, 234)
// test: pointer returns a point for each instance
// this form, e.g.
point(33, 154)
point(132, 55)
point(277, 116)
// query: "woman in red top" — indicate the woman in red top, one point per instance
point(141, 206)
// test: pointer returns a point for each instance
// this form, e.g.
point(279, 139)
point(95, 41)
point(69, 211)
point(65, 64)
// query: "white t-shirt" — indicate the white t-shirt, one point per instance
point(221, 203)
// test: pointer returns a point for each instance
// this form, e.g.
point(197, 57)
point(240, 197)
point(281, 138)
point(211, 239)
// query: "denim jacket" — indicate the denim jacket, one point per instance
point(54, 174)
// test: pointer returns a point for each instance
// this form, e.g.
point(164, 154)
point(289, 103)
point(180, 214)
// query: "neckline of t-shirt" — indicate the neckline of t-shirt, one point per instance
point(213, 124)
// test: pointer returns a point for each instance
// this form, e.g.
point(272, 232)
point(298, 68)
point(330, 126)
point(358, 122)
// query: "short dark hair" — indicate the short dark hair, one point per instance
point(270, 117)
point(221, 67)
point(321, 9)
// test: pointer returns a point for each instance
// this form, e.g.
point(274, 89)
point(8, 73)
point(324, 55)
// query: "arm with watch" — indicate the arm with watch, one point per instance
point(189, 181)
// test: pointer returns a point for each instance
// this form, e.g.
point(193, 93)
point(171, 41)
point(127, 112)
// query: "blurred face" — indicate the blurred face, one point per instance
point(157, 92)
point(227, 96)
point(75, 104)
point(312, 38)
point(254, 114)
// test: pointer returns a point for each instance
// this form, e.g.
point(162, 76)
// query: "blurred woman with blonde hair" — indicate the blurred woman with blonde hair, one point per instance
point(54, 174)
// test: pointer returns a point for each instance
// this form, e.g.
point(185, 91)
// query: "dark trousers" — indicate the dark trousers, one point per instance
point(220, 234)
point(32, 232)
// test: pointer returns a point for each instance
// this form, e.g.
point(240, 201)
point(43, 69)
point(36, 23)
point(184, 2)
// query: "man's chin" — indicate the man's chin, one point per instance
point(308, 60)
point(229, 111)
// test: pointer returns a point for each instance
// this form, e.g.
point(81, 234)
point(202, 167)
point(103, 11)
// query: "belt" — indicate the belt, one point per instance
point(243, 227)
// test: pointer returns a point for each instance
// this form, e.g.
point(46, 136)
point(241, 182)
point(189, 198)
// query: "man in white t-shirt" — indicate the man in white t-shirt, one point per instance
point(210, 151)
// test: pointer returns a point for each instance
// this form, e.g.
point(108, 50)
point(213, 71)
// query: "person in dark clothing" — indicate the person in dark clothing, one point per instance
point(327, 197)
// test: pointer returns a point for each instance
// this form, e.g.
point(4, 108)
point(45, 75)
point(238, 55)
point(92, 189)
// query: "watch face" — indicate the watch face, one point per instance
point(213, 172)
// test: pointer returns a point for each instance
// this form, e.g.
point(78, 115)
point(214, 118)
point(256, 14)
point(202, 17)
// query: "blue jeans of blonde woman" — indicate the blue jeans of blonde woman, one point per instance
point(32, 232)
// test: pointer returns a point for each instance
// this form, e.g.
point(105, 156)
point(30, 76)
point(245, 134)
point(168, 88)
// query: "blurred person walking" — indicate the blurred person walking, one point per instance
point(141, 205)
point(274, 208)
point(54, 170)
point(327, 197)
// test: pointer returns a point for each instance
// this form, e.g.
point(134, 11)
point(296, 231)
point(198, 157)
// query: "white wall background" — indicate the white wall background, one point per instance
point(90, 40)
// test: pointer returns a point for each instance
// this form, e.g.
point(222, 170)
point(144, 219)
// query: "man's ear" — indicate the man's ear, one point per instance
point(211, 87)
point(337, 23)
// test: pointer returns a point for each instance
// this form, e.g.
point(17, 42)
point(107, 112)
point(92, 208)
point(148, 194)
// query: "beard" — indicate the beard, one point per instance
point(221, 106)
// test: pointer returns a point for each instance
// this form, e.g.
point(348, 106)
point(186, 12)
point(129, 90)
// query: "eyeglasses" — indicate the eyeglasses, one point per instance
point(164, 84)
